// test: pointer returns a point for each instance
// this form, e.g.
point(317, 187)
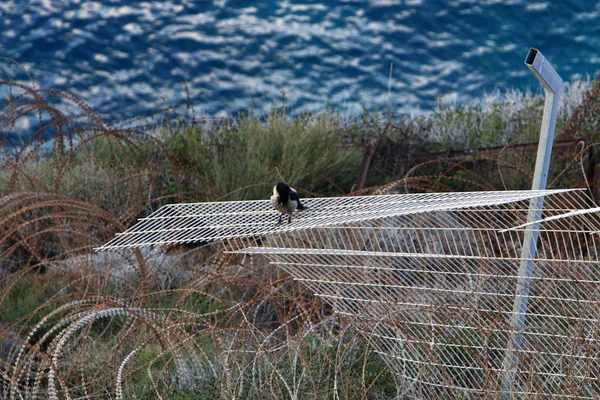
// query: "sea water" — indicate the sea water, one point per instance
point(126, 57)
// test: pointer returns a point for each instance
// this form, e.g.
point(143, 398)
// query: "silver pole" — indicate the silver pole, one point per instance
point(552, 83)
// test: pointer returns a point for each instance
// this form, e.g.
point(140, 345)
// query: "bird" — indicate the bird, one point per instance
point(285, 200)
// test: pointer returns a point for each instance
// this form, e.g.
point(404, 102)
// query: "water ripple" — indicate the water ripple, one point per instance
point(126, 57)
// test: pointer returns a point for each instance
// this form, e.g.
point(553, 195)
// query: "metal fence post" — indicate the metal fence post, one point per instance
point(552, 83)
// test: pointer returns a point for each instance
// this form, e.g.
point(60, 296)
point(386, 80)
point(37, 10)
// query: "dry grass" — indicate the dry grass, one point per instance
point(184, 321)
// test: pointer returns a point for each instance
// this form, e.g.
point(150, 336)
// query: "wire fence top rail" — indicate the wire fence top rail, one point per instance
point(219, 221)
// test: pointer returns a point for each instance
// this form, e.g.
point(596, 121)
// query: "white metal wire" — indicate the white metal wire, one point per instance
point(431, 279)
point(208, 222)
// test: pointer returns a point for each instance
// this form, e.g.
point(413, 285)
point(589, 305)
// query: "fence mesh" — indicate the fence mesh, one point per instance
point(431, 279)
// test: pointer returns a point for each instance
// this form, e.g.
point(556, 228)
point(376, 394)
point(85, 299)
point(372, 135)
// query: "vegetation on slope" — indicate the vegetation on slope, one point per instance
point(193, 320)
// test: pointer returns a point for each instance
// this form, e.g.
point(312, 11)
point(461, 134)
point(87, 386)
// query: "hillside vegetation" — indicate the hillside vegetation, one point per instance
point(184, 321)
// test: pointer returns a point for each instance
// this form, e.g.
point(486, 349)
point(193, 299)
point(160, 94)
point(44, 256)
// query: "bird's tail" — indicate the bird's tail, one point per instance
point(300, 207)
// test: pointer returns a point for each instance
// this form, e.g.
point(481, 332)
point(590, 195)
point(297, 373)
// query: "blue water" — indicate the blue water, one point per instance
point(127, 57)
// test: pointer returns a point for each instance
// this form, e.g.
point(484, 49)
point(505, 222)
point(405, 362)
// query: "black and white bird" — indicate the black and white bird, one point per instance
point(285, 200)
